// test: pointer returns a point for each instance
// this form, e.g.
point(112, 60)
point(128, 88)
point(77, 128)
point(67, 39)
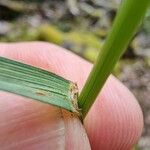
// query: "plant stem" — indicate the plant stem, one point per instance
point(128, 18)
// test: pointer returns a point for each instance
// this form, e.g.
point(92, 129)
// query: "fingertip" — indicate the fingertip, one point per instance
point(115, 121)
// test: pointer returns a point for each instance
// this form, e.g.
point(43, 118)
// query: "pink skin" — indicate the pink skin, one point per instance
point(115, 121)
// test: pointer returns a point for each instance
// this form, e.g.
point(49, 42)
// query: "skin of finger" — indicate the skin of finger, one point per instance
point(115, 120)
point(27, 124)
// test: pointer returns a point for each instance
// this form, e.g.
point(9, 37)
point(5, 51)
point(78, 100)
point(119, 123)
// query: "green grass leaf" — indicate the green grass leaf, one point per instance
point(38, 84)
point(128, 18)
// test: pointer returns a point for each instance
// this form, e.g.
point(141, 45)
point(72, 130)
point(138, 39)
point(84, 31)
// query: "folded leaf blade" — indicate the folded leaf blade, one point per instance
point(38, 84)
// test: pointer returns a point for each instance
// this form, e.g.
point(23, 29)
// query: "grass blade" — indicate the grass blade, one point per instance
point(38, 84)
point(126, 23)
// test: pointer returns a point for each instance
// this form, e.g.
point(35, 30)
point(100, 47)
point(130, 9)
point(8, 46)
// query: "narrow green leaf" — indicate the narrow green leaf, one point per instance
point(126, 23)
point(38, 84)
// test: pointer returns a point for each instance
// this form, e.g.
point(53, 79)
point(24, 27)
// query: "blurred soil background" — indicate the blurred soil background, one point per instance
point(81, 26)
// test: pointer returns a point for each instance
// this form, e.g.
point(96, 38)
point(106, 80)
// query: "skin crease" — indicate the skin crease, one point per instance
point(114, 122)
